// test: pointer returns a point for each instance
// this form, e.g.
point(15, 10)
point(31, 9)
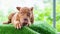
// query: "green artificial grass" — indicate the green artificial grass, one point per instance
point(43, 28)
point(8, 29)
point(36, 28)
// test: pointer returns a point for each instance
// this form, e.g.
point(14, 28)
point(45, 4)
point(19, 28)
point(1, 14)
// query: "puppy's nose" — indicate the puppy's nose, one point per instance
point(25, 19)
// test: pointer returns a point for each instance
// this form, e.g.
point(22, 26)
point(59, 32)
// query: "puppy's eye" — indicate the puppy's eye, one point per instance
point(28, 14)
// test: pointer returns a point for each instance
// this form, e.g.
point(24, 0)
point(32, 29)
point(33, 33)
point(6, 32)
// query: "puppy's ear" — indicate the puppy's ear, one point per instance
point(18, 8)
point(31, 8)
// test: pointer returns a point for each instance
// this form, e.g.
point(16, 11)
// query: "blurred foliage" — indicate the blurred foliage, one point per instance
point(58, 15)
point(44, 15)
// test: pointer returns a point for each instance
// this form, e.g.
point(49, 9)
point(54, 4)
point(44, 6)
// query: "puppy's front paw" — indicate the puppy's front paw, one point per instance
point(17, 25)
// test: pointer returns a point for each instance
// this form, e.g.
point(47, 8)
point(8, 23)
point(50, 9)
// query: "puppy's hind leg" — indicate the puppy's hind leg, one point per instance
point(9, 18)
point(9, 21)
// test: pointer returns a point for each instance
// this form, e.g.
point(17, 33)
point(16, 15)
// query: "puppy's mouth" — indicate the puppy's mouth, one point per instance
point(25, 23)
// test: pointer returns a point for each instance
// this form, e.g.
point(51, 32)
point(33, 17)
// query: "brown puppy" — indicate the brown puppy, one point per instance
point(21, 18)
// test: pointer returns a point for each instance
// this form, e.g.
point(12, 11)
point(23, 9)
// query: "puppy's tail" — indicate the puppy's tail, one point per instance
point(6, 22)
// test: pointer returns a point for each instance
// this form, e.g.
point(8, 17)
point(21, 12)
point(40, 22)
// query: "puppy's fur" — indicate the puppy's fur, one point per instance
point(23, 17)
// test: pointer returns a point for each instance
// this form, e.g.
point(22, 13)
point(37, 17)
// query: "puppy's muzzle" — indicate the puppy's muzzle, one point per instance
point(25, 21)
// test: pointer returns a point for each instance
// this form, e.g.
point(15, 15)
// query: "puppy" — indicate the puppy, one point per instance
point(23, 17)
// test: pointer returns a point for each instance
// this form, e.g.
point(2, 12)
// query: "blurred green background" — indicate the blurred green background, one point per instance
point(41, 13)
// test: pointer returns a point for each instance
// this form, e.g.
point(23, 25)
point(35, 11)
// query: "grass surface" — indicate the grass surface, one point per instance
point(43, 28)
point(11, 30)
point(36, 28)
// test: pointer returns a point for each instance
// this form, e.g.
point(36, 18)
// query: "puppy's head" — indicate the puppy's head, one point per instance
point(25, 14)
